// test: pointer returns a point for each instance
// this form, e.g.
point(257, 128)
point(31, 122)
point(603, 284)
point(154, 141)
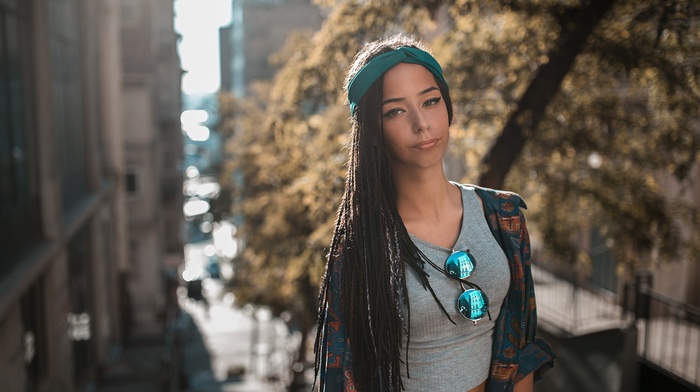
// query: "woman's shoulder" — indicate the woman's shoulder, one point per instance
point(502, 200)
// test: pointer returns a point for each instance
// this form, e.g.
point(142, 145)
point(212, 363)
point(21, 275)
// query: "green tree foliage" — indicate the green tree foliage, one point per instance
point(600, 97)
point(621, 133)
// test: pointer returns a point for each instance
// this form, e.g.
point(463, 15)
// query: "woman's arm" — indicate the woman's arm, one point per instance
point(526, 384)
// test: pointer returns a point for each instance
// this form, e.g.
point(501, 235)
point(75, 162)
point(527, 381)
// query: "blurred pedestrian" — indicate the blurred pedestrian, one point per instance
point(418, 264)
point(195, 291)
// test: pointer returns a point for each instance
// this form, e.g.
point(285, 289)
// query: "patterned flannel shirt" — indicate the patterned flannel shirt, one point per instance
point(515, 352)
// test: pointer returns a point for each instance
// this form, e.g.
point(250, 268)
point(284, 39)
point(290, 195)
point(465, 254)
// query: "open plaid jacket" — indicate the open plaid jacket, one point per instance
point(515, 352)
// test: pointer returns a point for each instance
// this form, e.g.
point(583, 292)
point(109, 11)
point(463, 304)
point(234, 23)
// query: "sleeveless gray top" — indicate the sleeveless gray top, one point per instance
point(443, 356)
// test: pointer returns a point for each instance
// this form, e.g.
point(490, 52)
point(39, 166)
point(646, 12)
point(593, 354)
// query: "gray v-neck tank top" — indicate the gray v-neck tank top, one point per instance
point(443, 356)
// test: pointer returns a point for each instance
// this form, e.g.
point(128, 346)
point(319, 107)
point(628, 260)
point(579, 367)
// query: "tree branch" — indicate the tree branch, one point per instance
point(577, 26)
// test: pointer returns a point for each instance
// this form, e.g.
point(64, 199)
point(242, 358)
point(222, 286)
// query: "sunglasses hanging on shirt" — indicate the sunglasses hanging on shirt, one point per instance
point(473, 303)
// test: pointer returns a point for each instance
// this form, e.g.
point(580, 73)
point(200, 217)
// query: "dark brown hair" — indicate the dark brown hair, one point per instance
point(372, 244)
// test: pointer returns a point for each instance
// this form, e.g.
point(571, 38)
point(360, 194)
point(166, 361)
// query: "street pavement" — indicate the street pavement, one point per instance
point(233, 350)
point(222, 348)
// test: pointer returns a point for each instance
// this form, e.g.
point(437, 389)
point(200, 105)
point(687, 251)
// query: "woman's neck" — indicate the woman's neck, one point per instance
point(425, 196)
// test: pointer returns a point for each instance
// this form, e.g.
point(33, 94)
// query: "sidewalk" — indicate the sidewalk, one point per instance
point(135, 367)
point(222, 348)
point(225, 349)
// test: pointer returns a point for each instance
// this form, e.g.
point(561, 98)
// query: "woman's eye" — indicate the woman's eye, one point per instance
point(392, 113)
point(433, 101)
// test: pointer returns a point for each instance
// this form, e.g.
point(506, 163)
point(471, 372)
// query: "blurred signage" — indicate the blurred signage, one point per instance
point(79, 326)
point(29, 346)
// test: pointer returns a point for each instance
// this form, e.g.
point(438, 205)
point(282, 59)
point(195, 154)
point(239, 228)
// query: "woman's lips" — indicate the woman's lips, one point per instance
point(427, 144)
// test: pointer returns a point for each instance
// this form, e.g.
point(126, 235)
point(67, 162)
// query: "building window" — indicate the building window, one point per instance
point(131, 183)
point(67, 98)
point(19, 193)
point(604, 267)
point(134, 184)
point(33, 337)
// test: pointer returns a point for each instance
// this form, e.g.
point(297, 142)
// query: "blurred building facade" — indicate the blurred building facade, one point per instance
point(258, 29)
point(90, 189)
point(680, 279)
point(153, 151)
point(641, 326)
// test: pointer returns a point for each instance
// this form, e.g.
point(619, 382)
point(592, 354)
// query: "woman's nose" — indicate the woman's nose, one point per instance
point(420, 123)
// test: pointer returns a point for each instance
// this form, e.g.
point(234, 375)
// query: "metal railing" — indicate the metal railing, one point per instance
point(570, 303)
point(669, 330)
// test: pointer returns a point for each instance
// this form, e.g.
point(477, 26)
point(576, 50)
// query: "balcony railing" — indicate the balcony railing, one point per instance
point(573, 306)
point(668, 330)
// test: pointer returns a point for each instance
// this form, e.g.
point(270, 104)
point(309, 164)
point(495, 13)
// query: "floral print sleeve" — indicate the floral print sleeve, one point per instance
point(336, 371)
point(516, 350)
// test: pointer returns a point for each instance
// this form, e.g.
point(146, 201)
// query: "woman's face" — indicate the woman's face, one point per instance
point(414, 117)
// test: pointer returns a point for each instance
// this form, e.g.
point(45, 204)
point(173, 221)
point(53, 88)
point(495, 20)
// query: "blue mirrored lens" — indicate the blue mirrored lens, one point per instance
point(460, 265)
point(473, 304)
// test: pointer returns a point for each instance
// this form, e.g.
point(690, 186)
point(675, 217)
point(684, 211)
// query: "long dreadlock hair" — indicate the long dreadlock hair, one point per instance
point(372, 243)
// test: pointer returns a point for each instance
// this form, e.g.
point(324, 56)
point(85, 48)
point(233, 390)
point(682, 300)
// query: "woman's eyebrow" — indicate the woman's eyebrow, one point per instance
point(427, 90)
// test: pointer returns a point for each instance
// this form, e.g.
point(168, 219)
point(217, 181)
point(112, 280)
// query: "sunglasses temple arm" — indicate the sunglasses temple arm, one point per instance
point(472, 285)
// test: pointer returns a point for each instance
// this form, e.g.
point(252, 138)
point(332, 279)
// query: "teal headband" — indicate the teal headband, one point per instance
point(376, 67)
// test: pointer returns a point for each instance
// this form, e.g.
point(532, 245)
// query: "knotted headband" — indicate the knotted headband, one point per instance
point(376, 67)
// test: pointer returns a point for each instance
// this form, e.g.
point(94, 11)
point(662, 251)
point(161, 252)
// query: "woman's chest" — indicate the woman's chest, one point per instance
point(491, 274)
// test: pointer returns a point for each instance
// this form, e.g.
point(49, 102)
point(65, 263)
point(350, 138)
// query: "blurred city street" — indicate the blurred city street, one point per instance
point(231, 349)
point(221, 348)
point(175, 173)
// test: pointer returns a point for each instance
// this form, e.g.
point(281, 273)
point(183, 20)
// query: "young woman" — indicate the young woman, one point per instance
point(428, 284)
